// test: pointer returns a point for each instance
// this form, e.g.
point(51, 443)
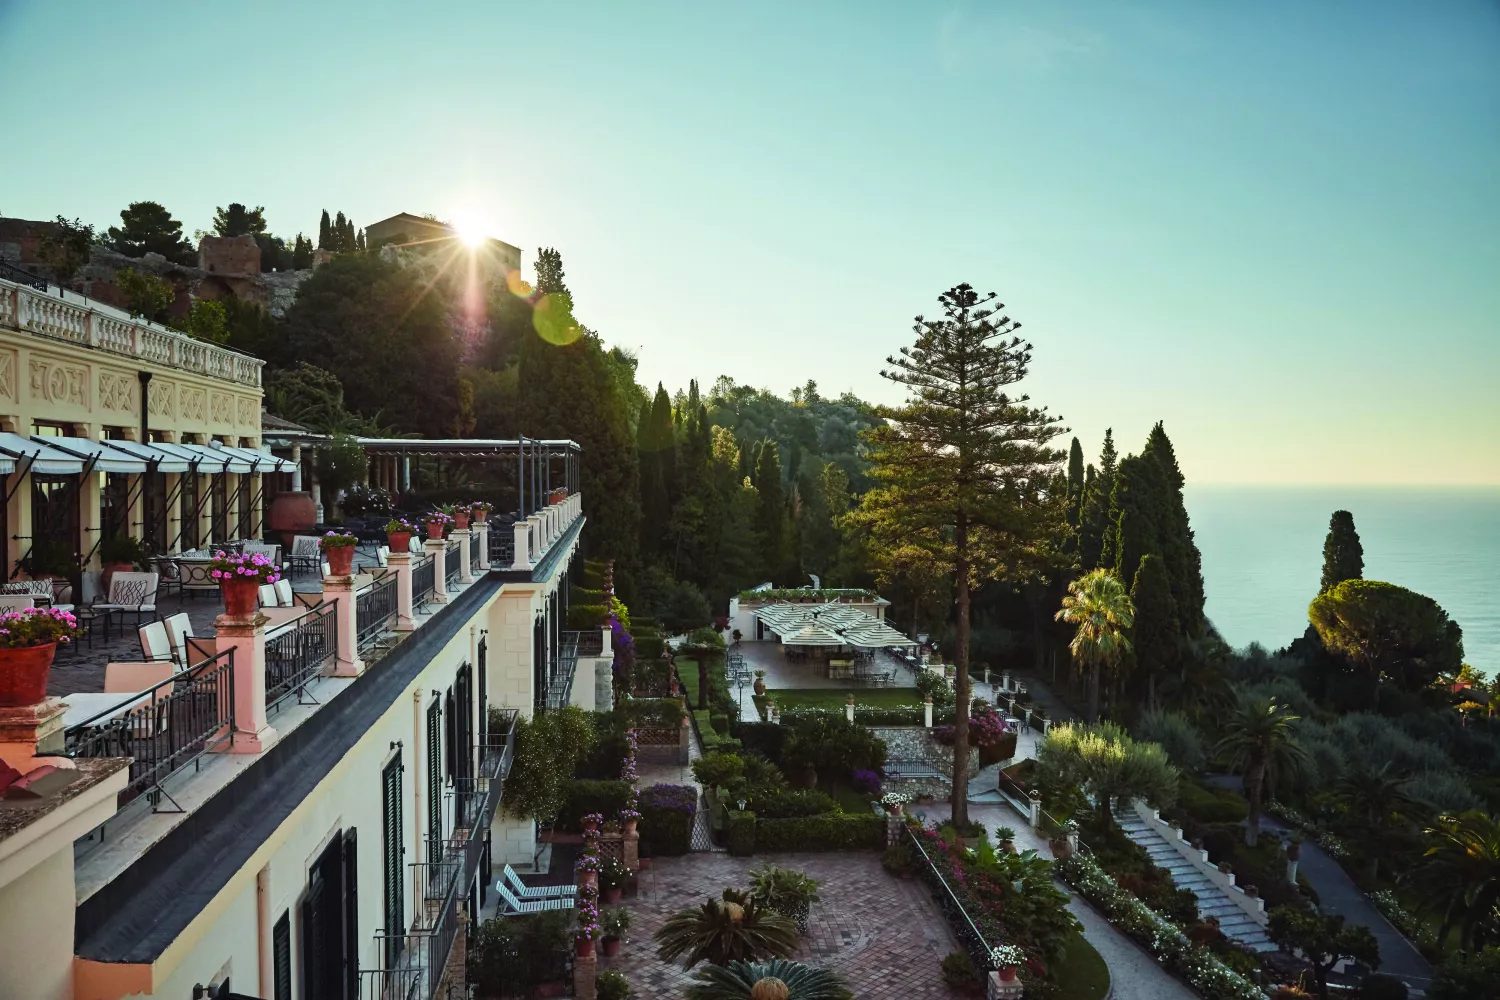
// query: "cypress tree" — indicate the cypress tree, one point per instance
point(1094, 514)
point(1184, 563)
point(336, 237)
point(359, 241)
point(1135, 507)
point(1343, 555)
point(654, 440)
point(1075, 482)
point(771, 518)
point(325, 232)
point(1156, 629)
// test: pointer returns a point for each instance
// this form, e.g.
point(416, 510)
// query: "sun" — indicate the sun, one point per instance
point(470, 229)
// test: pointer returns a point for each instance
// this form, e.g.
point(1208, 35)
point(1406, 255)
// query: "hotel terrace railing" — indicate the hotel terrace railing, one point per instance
point(296, 656)
point(560, 677)
point(24, 307)
point(453, 562)
point(502, 545)
point(167, 727)
point(423, 582)
point(375, 612)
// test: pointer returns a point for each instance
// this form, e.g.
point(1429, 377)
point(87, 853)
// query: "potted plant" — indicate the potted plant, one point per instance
point(591, 822)
point(612, 878)
point(1006, 837)
point(1007, 958)
point(338, 549)
point(737, 634)
point(28, 641)
point(587, 869)
point(785, 891)
point(614, 923)
point(120, 554)
point(437, 522)
point(55, 561)
point(479, 510)
point(760, 683)
point(959, 973)
point(1061, 843)
point(587, 931)
point(629, 817)
point(894, 801)
point(240, 576)
point(460, 515)
point(398, 534)
point(612, 984)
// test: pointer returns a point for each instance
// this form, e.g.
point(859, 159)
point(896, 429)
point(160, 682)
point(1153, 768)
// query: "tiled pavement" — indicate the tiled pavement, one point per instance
point(884, 935)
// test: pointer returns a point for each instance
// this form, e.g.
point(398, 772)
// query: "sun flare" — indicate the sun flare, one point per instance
point(470, 229)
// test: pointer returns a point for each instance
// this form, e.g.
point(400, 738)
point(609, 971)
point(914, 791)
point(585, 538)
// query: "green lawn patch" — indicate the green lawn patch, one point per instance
point(836, 698)
point(1083, 974)
point(848, 799)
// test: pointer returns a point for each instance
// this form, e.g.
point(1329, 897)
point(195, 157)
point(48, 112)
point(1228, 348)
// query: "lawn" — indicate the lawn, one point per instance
point(1083, 974)
point(836, 698)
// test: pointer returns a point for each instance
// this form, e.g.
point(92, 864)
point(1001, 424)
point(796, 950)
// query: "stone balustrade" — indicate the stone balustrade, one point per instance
point(540, 530)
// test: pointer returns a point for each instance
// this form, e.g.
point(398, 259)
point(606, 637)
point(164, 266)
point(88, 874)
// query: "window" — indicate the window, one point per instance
point(434, 780)
point(393, 848)
point(281, 960)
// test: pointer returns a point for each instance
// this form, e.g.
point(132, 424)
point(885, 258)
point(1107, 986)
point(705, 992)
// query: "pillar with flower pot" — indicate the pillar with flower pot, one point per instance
point(437, 550)
point(31, 723)
point(398, 534)
point(338, 549)
point(481, 528)
point(242, 628)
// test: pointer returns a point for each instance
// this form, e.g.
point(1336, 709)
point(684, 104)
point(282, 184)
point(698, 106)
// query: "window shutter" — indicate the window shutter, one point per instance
point(434, 781)
point(281, 963)
point(394, 849)
point(351, 914)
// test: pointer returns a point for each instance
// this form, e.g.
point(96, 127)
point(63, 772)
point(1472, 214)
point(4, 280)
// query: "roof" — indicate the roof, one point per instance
point(417, 220)
point(828, 624)
point(270, 422)
point(38, 457)
point(464, 446)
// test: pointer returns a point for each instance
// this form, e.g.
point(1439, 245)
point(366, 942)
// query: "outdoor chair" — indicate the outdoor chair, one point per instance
point(525, 891)
point(16, 602)
point(517, 906)
point(130, 678)
point(283, 593)
point(39, 590)
point(193, 577)
point(267, 594)
point(131, 593)
point(305, 552)
point(179, 629)
point(268, 549)
point(156, 644)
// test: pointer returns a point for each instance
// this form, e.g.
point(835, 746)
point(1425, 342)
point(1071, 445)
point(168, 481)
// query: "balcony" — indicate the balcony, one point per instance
point(561, 671)
point(75, 320)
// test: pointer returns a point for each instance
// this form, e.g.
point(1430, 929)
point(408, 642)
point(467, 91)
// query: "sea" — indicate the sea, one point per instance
point(1263, 554)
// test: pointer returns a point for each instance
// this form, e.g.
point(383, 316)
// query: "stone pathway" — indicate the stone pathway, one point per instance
point(882, 934)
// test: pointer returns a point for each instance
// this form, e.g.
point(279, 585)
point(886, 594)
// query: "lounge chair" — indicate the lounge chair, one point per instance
point(525, 891)
point(515, 906)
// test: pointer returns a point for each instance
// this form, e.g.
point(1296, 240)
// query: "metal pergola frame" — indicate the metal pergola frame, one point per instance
point(536, 461)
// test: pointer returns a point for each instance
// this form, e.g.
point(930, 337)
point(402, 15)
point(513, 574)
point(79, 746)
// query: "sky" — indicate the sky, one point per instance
point(1274, 226)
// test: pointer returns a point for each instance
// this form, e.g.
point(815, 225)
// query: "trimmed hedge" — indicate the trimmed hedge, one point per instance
point(581, 797)
point(719, 722)
point(739, 833)
point(652, 713)
point(765, 738)
point(784, 803)
point(666, 826)
point(828, 832)
point(710, 736)
point(586, 616)
point(648, 647)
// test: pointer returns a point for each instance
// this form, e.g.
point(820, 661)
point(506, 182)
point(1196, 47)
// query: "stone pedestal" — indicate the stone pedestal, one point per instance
point(630, 847)
point(1291, 872)
point(586, 977)
point(1035, 818)
point(927, 712)
point(246, 635)
point(465, 539)
point(400, 564)
point(346, 619)
point(437, 551)
point(30, 732)
point(482, 539)
point(522, 558)
point(999, 989)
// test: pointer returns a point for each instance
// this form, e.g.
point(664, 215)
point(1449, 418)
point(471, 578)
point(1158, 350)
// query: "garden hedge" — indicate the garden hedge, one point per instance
point(739, 833)
point(709, 735)
point(828, 832)
point(582, 617)
point(764, 738)
point(666, 825)
point(648, 647)
point(581, 797)
point(652, 713)
point(786, 803)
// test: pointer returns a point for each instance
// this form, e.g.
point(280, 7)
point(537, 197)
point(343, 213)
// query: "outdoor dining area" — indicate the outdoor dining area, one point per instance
point(839, 642)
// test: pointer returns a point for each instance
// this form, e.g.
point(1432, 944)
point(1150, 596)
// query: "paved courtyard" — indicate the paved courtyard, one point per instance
point(884, 935)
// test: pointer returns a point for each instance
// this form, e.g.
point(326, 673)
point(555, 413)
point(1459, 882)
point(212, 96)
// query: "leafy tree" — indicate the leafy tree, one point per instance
point(65, 249)
point(146, 227)
point(957, 465)
point(771, 519)
point(1466, 976)
point(1393, 633)
point(147, 295)
point(1323, 940)
point(1343, 555)
point(1101, 612)
point(777, 978)
point(1460, 877)
point(1155, 632)
point(549, 273)
point(302, 253)
point(720, 932)
point(310, 396)
point(549, 748)
point(207, 320)
point(1104, 762)
point(237, 220)
point(1259, 743)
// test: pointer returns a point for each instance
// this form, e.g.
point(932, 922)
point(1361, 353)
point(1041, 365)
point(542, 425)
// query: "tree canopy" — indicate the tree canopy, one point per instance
point(1391, 633)
point(147, 227)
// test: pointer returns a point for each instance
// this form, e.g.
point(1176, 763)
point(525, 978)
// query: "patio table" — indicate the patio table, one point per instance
point(85, 705)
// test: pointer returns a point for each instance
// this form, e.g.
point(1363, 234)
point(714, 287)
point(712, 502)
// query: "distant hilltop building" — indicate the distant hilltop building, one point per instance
point(419, 231)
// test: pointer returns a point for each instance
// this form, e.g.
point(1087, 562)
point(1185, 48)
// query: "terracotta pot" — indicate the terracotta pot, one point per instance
point(590, 880)
point(240, 596)
point(461, 522)
point(1060, 848)
point(645, 864)
point(23, 674)
point(611, 947)
point(612, 896)
point(1008, 974)
point(630, 828)
point(760, 687)
point(434, 530)
point(399, 541)
point(481, 516)
point(583, 949)
point(340, 560)
point(292, 514)
point(589, 826)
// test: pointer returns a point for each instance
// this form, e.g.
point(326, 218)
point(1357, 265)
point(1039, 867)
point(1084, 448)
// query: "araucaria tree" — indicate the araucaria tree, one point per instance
point(960, 467)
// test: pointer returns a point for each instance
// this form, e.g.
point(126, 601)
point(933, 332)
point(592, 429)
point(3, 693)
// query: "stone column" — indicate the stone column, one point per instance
point(631, 848)
point(296, 468)
point(585, 977)
point(400, 564)
point(88, 519)
point(465, 539)
point(522, 557)
point(246, 635)
point(482, 531)
point(341, 589)
point(174, 511)
point(849, 708)
point(927, 712)
point(1000, 989)
point(1034, 806)
point(437, 551)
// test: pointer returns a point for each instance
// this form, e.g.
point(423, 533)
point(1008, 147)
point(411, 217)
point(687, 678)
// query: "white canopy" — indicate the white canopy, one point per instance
point(829, 624)
point(153, 454)
point(46, 460)
point(105, 458)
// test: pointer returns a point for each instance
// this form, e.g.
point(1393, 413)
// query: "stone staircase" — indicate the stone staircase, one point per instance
point(1213, 900)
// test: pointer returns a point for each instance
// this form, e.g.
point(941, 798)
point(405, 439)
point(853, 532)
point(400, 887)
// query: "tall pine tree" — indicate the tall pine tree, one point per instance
point(325, 232)
point(1343, 555)
point(771, 519)
point(1156, 629)
point(1094, 515)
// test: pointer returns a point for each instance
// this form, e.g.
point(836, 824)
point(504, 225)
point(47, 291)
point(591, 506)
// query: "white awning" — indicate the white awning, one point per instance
point(263, 461)
point(156, 458)
point(103, 457)
point(215, 459)
point(814, 622)
point(45, 460)
point(7, 466)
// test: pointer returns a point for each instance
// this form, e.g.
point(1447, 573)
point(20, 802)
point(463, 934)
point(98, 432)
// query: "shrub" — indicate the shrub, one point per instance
point(833, 745)
point(828, 832)
point(648, 648)
point(785, 891)
point(929, 684)
point(518, 952)
point(666, 825)
point(773, 802)
point(612, 985)
point(715, 770)
point(739, 833)
point(582, 617)
point(866, 782)
point(719, 723)
point(898, 860)
point(1382, 987)
point(582, 797)
point(1211, 805)
point(1177, 735)
point(764, 738)
point(958, 970)
point(652, 713)
point(549, 748)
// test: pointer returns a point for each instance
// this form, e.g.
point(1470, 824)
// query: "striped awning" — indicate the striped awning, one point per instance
point(263, 461)
point(214, 460)
point(37, 457)
point(829, 624)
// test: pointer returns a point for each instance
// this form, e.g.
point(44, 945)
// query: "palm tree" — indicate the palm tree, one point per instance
point(1375, 798)
point(1461, 877)
point(1260, 743)
point(773, 980)
point(721, 932)
point(1098, 604)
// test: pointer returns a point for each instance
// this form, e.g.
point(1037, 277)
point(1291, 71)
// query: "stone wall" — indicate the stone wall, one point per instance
point(229, 255)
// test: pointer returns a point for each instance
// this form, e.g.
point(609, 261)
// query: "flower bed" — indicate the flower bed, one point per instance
point(1163, 939)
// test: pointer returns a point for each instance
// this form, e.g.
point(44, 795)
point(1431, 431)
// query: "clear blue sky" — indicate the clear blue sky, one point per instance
point(1275, 226)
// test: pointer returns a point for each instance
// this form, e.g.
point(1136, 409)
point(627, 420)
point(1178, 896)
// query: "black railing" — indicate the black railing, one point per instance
point(963, 925)
point(502, 546)
point(296, 656)
point(423, 581)
point(498, 748)
point(10, 272)
point(591, 643)
point(474, 552)
point(166, 727)
point(375, 612)
point(562, 669)
point(453, 562)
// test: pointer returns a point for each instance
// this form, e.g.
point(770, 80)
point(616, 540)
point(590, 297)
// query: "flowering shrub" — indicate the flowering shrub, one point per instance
point(892, 799)
point(478, 507)
point(1332, 845)
point(866, 782)
point(237, 566)
point(667, 819)
point(337, 540)
point(1163, 939)
point(1007, 956)
point(36, 627)
point(589, 863)
point(986, 729)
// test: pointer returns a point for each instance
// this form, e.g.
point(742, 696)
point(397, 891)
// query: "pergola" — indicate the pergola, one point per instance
point(541, 465)
point(829, 625)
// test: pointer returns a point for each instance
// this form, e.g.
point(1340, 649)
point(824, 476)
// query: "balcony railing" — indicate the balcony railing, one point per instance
point(453, 562)
point(423, 581)
point(27, 308)
point(375, 612)
point(560, 676)
point(502, 546)
point(20, 276)
point(168, 726)
point(296, 656)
